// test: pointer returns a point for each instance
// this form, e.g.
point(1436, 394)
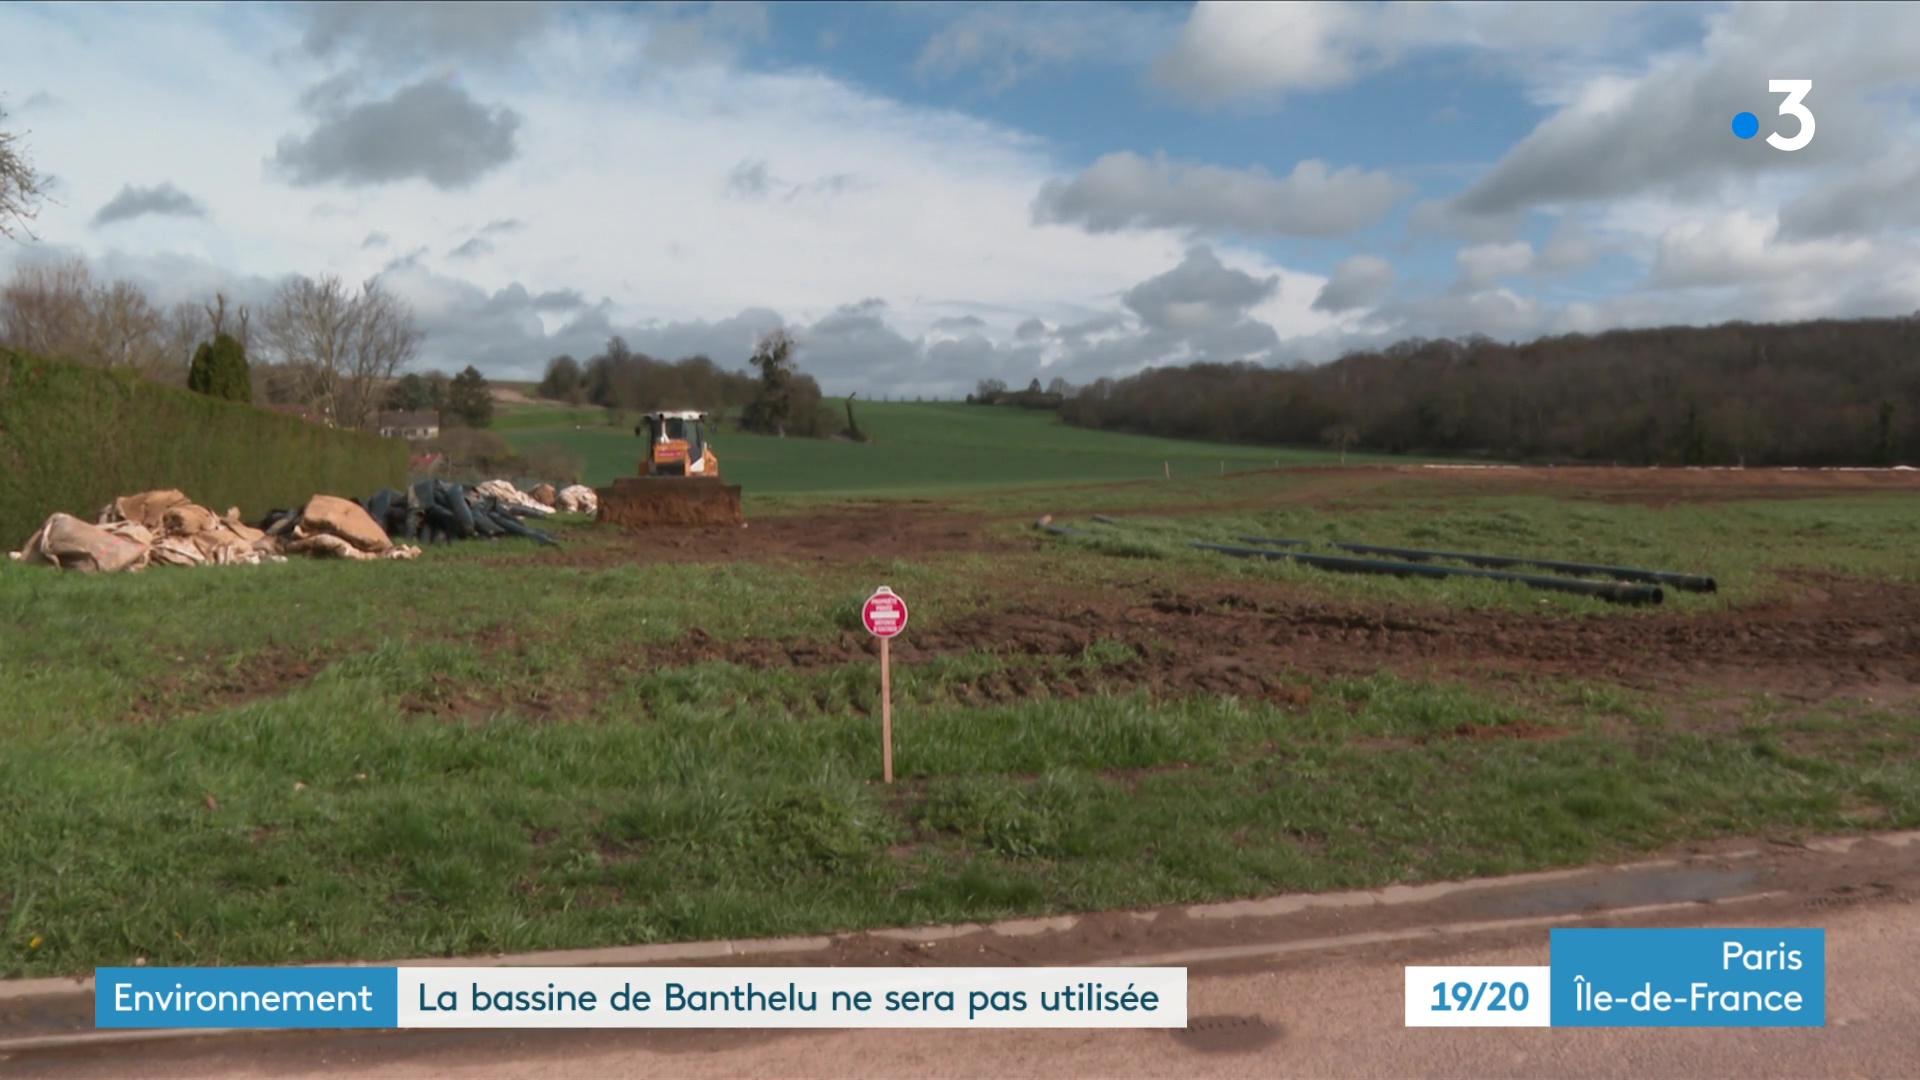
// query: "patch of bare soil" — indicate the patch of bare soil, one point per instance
point(847, 534)
point(1846, 638)
point(193, 689)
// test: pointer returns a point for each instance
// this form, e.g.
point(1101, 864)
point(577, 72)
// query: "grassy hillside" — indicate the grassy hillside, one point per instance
point(74, 437)
point(916, 448)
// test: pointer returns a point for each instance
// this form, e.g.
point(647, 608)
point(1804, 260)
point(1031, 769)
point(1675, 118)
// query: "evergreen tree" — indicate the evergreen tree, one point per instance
point(772, 410)
point(409, 394)
point(220, 370)
point(563, 380)
point(469, 399)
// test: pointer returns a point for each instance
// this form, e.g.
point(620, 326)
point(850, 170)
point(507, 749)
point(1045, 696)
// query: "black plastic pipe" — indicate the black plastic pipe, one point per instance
point(1689, 582)
point(1618, 592)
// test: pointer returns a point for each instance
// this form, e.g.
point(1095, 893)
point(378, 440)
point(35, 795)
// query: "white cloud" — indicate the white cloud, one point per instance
point(712, 34)
point(1571, 247)
point(1003, 44)
point(1359, 282)
point(1233, 49)
point(1883, 194)
point(1483, 264)
point(1244, 49)
point(1125, 190)
point(1740, 248)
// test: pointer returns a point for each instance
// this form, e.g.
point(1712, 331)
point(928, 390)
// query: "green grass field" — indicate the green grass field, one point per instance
point(915, 449)
point(498, 747)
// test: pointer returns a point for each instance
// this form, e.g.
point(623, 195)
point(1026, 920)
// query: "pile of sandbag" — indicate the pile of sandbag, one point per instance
point(152, 528)
point(577, 499)
point(71, 544)
point(165, 528)
point(437, 512)
point(179, 532)
point(331, 526)
point(521, 503)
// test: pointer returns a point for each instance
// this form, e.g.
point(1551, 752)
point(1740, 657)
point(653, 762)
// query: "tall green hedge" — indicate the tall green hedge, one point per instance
point(74, 438)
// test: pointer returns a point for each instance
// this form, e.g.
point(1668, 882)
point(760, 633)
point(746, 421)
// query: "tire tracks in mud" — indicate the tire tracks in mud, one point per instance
point(1844, 638)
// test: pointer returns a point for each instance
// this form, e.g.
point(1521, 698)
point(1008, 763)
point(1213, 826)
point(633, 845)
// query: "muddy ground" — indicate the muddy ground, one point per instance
point(1830, 638)
point(892, 528)
point(1821, 637)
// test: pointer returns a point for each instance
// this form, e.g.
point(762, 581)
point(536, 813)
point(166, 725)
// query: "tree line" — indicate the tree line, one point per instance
point(774, 397)
point(328, 348)
point(1826, 392)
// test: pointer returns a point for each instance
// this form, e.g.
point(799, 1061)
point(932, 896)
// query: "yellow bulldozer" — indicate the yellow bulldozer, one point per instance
point(679, 481)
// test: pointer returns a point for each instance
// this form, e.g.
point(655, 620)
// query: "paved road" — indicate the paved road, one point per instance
point(1324, 1013)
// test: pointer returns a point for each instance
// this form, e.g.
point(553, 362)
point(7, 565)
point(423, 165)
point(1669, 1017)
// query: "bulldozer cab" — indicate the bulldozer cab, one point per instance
point(676, 443)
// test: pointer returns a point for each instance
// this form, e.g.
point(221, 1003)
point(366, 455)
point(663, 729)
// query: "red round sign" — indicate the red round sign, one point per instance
point(885, 613)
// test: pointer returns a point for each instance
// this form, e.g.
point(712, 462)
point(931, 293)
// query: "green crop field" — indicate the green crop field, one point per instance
point(915, 449)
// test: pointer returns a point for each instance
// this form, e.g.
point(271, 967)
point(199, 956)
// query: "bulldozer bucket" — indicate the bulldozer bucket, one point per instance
point(641, 502)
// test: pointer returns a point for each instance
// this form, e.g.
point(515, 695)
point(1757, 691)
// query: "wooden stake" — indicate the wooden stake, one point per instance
point(1168, 468)
point(886, 711)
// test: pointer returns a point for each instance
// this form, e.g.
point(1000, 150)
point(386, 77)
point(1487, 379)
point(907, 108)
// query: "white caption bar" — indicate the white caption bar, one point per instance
point(1478, 997)
point(752, 997)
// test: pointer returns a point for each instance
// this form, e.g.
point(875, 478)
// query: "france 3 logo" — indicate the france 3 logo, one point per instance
point(1746, 125)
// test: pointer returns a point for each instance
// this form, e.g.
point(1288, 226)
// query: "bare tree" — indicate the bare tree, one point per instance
point(342, 347)
point(20, 187)
point(126, 328)
point(60, 311)
point(45, 310)
point(384, 340)
point(306, 327)
point(180, 334)
point(241, 327)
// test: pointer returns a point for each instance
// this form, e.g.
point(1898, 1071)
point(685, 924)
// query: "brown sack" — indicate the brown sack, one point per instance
point(188, 519)
point(543, 494)
point(131, 530)
point(176, 551)
point(339, 517)
point(240, 528)
point(148, 508)
point(67, 542)
point(220, 546)
point(321, 544)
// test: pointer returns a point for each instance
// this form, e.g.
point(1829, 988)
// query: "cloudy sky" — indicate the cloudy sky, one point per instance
point(929, 195)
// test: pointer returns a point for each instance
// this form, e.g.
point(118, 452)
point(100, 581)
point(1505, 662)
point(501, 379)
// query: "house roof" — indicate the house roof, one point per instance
point(419, 419)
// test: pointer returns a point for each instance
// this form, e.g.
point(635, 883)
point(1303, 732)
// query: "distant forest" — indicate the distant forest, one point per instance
point(1832, 392)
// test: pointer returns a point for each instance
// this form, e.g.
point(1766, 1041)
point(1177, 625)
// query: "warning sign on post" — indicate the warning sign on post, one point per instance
point(885, 614)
